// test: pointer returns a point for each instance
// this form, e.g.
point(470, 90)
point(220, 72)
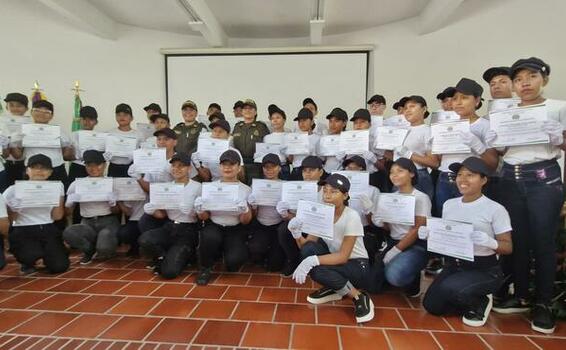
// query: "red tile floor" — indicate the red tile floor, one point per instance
point(118, 304)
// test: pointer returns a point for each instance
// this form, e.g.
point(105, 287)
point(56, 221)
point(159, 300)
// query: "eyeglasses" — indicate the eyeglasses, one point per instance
point(42, 111)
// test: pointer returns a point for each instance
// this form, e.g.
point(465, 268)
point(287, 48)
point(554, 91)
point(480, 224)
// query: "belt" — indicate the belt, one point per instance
point(522, 171)
point(99, 217)
point(480, 262)
point(15, 162)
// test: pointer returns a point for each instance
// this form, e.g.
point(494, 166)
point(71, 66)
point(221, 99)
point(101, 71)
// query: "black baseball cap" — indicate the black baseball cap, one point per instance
point(337, 181)
point(355, 159)
point(312, 162)
point(376, 99)
point(154, 117)
point(215, 105)
point(400, 103)
point(492, 72)
point(304, 113)
point(420, 100)
point(40, 159)
point(272, 109)
point(469, 87)
point(532, 63)
point(217, 115)
point(168, 132)
point(182, 157)
point(230, 156)
point(238, 104)
point(43, 104)
point(311, 101)
point(408, 164)
point(361, 113)
point(222, 123)
point(473, 164)
point(270, 158)
point(123, 108)
point(17, 97)
point(338, 113)
point(93, 156)
point(153, 107)
point(448, 92)
point(88, 112)
point(249, 102)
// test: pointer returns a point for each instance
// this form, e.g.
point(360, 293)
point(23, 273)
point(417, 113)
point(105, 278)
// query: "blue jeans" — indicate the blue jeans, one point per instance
point(445, 189)
point(407, 265)
point(424, 183)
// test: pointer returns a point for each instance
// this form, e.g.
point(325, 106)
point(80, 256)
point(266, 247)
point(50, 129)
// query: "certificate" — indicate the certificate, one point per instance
point(293, 191)
point(519, 126)
point(446, 137)
point(128, 189)
point(144, 131)
point(354, 141)
point(317, 218)
point(275, 137)
point(261, 149)
point(396, 208)
point(359, 181)
point(389, 137)
point(36, 194)
point(120, 146)
point(12, 126)
point(267, 192)
point(89, 139)
point(220, 196)
point(166, 195)
point(443, 116)
point(41, 135)
point(501, 104)
point(148, 160)
point(450, 238)
point(397, 120)
point(297, 143)
point(210, 150)
point(94, 189)
point(376, 121)
point(328, 145)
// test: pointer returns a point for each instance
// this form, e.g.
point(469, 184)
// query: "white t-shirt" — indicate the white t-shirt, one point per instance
point(191, 191)
point(356, 204)
point(131, 134)
point(136, 208)
point(3, 210)
point(225, 218)
point(320, 127)
point(30, 216)
point(55, 154)
point(90, 209)
point(313, 149)
point(537, 153)
point(349, 224)
point(422, 208)
point(417, 142)
point(479, 128)
point(486, 216)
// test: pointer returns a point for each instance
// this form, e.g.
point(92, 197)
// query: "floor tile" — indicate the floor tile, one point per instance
point(131, 328)
point(72, 286)
point(57, 344)
point(506, 342)
point(59, 302)
point(265, 335)
point(294, 313)
point(80, 272)
point(45, 324)
point(42, 344)
point(334, 315)
point(264, 280)
point(254, 311)
point(24, 300)
point(459, 326)
point(285, 295)
point(385, 318)
point(11, 318)
point(135, 306)
point(214, 309)
point(242, 293)
point(326, 337)
point(207, 292)
point(138, 288)
point(87, 326)
point(233, 279)
point(409, 340)
point(110, 274)
point(362, 338)
point(172, 290)
point(105, 287)
point(175, 331)
point(97, 303)
point(420, 319)
point(221, 333)
point(40, 284)
point(174, 307)
point(390, 300)
point(139, 275)
point(454, 341)
point(5, 294)
point(550, 343)
point(13, 282)
point(512, 324)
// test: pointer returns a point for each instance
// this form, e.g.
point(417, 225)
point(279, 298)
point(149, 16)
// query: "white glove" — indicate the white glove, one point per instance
point(554, 130)
point(107, 156)
point(72, 199)
point(340, 155)
point(473, 142)
point(377, 221)
point(301, 272)
point(150, 208)
point(252, 201)
point(490, 137)
point(134, 173)
point(282, 208)
point(111, 198)
point(391, 253)
point(4, 141)
point(367, 204)
point(423, 232)
point(198, 205)
point(196, 158)
point(482, 239)
point(242, 207)
point(370, 157)
point(403, 152)
point(15, 204)
point(296, 227)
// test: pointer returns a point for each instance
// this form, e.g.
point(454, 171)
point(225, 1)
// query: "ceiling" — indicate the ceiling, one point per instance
point(262, 18)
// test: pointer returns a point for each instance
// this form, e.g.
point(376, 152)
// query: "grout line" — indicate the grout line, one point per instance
point(435, 340)
point(448, 323)
point(389, 345)
point(274, 312)
point(532, 342)
point(197, 333)
point(339, 336)
point(110, 325)
point(291, 335)
point(402, 319)
point(24, 322)
point(152, 330)
point(244, 334)
point(234, 310)
point(484, 342)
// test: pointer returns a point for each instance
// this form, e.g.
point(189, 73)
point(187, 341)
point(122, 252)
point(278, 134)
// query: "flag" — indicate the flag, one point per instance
point(76, 115)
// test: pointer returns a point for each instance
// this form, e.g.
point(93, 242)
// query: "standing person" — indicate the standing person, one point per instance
point(159, 121)
point(445, 98)
point(237, 109)
point(189, 129)
point(376, 106)
point(318, 127)
point(213, 108)
point(399, 106)
point(340, 264)
point(244, 137)
point(118, 166)
point(499, 80)
point(152, 109)
point(17, 106)
point(533, 195)
point(277, 119)
point(337, 120)
point(305, 121)
point(466, 287)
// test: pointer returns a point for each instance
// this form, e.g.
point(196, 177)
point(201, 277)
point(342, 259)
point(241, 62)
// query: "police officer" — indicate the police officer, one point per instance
point(189, 130)
point(246, 133)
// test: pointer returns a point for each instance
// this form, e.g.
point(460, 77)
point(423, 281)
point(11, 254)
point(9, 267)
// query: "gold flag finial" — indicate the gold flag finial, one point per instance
point(36, 85)
point(77, 89)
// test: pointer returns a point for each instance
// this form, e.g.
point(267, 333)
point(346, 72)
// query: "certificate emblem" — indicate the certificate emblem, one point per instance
point(166, 189)
point(39, 187)
point(296, 138)
point(313, 209)
point(449, 128)
point(516, 117)
point(395, 200)
point(41, 128)
point(299, 187)
point(149, 154)
point(448, 228)
point(268, 185)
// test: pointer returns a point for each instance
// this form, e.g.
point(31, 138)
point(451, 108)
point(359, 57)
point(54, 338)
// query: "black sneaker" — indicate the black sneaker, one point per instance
point(511, 305)
point(478, 316)
point(363, 308)
point(27, 269)
point(413, 290)
point(323, 295)
point(86, 259)
point(288, 270)
point(133, 252)
point(204, 276)
point(157, 266)
point(542, 320)
point(434, 266)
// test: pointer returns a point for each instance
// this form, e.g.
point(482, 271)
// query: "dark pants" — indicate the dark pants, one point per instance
point(31, 243)
point(229, 240)
point(533, 196)
point(264, 246)
point(174, 244)
point(289, 245)
point(97, 234)
point(3, 181)
point(60, 174)
point(461, 287)
point(380, 179)
point(356, 272)
point(424, 183)
point(296, 174)
point(373, 239)
point(2, 253)
point(285, 173)
point(252, 171)
point(445, 189)
point(148, 222)
point(76, 171)
point(15, 170)
point(118, 170)
point(129, 234)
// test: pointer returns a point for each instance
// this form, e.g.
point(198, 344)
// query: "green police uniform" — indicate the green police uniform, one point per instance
point(187, 136)
point(244, 138)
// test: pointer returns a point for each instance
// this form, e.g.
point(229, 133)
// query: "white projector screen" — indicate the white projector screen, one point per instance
point(332, 79)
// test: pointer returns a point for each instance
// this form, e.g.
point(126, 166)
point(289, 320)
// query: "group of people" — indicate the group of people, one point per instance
point(512, 196)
